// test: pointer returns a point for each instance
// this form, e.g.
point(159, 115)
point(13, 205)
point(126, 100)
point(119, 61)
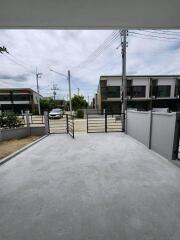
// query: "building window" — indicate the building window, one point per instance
point(5, 98)
point(21, 97)
point(113, 91)
point(163, 91)
point(138, 91)
point(104, 92)
point(129, 88)
point(153, 88)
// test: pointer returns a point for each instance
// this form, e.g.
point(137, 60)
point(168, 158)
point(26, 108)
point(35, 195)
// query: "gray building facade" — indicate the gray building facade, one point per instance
point(143, 93)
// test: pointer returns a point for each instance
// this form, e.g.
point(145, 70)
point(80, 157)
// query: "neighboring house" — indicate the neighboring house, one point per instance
point(18, 100)
point(164, 91)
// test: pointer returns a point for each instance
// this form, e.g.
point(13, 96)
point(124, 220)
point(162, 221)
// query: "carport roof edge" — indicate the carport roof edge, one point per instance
point(89, 14)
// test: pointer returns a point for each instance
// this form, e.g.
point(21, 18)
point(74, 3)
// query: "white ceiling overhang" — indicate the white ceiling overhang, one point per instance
point(89, 14)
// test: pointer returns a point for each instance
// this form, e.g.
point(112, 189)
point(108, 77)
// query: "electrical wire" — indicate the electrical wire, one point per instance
point(149, 38)
point(19, 64)
point(160, 32)
point(155, 36)
point(96, 53)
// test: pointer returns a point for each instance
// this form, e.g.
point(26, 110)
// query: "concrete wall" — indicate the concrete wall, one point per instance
point(162, 138)
point(160, 135)
point(138, 126)
point(7, 134)
point(16, 133)
point(37, 131)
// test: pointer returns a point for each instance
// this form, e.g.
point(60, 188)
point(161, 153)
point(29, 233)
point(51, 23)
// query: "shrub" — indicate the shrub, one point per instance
point(10, 120)
point(80, 113)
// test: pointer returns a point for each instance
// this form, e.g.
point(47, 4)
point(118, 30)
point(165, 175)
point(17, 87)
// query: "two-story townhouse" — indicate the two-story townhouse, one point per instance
point(18, 100)
point(143, 92)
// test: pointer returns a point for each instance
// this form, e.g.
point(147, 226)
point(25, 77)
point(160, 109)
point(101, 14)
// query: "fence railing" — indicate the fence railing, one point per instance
point(58, 125)
point(70, 125)
point(36, 119)
point(105, 123)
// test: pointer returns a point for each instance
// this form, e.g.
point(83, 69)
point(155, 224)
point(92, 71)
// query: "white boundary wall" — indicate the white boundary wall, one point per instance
point(138, 126)
point(159, 134)
point(16, 133)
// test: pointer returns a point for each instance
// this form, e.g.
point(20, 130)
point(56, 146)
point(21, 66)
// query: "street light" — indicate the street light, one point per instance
point(38, 75)
point(69, 83)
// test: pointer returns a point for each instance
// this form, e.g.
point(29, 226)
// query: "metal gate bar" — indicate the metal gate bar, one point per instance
point(36, 119)
point(58, 126)
point(104, 123)
point(70, 125)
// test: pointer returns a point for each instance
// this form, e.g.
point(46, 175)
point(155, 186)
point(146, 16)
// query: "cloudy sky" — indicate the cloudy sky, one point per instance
point(69, 49)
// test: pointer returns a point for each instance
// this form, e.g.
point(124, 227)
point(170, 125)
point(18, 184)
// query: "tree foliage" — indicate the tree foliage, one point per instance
point(80, 113)
point(78, 102)
point(47, 104)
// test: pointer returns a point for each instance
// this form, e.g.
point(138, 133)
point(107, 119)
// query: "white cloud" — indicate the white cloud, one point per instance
point(64, 49)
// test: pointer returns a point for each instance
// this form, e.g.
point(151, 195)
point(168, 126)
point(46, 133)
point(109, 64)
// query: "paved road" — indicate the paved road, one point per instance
point(96, 187)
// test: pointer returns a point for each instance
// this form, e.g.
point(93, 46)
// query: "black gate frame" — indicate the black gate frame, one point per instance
point(69, 128)
point(70, 125)
point(104, 127)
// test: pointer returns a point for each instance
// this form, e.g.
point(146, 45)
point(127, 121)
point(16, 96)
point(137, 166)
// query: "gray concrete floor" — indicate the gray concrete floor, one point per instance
point(96, 187)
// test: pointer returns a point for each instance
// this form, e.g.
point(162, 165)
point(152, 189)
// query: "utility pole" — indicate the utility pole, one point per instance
point(69, 81)
point(124, 33)
point(78, 91)
point(54, 89)
point(3, 49)
point(88, 101)
point(38, 75)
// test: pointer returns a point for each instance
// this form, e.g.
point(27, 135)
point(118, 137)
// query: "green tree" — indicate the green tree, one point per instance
point(66, 106)
point(47, 104)
point(78, 102)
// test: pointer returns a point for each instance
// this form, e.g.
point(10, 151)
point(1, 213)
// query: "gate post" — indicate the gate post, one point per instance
point(105, 114)
point(87, 122)
point(46, 121)
point(73, 124)
point(27, 123)
point(67, 123)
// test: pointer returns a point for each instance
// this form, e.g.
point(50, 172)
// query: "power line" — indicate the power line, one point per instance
point(4, 49)
point(155, 53)
point(149, 38)
point(162, 32)
point(97, 52)
point(155, 36)
point(19, 64)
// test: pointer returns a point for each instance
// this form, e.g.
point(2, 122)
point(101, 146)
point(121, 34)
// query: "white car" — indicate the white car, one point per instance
point(56, 113)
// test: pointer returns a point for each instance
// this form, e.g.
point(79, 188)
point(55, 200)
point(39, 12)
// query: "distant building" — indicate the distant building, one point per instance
point(18, 100)
point(164, 91)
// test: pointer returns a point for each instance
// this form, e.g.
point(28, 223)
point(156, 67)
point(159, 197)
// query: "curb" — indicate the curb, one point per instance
point(4, 160)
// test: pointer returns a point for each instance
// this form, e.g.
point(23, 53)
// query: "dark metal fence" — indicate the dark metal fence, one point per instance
point(64, 125)
point(178, 155)
point(58, 125)
point(70, 125)
point(100, 123)
point(178, 144)
point(36, 119)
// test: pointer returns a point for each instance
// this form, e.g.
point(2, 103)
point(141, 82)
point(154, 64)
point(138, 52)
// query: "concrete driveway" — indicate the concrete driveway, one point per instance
point(96, 187)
